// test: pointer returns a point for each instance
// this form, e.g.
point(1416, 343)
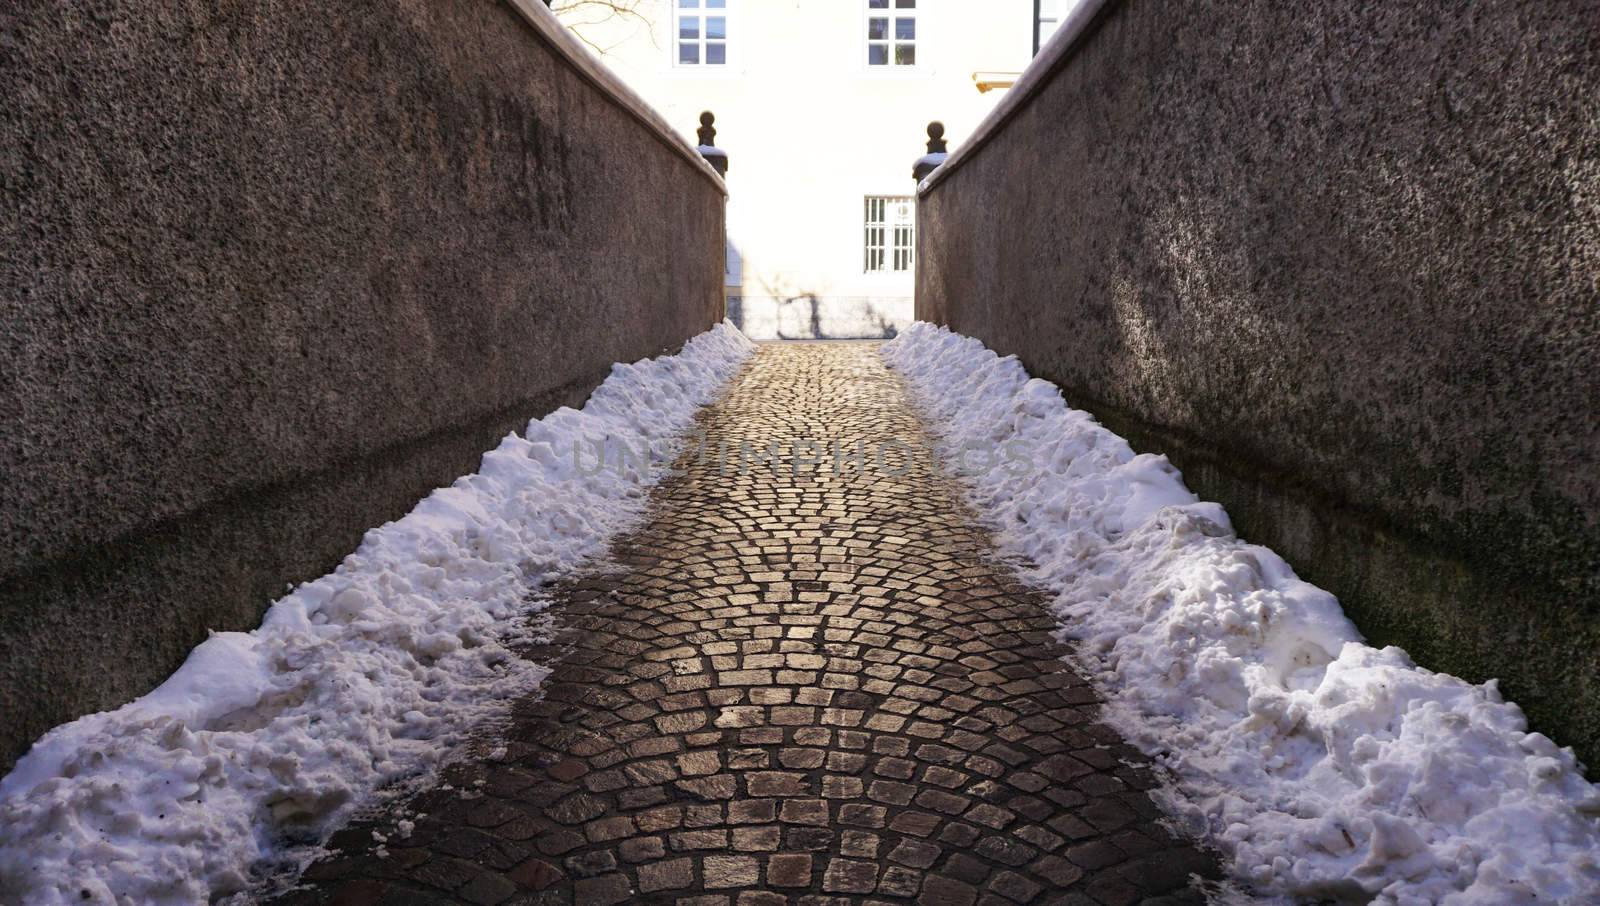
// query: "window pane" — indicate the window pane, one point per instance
point(905, 4)
point(716, 27)
point(688, 4)
point(877, 4)
point(877, 55)
point(689, 27)
point(688, 53)
point(877, 29)
point(716, 4)
point(905, 54)
point(716, 53)
point(905, 29)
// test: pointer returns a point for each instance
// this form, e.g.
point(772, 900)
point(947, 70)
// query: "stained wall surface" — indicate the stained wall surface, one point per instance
point(271, 272)
point(1341, 262)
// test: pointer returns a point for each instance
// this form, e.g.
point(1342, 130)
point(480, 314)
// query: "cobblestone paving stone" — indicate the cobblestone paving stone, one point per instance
point(792, 688)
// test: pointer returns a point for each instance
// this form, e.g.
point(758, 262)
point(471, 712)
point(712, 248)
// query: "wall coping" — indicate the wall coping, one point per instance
point(1051, 59)
point(598, 74)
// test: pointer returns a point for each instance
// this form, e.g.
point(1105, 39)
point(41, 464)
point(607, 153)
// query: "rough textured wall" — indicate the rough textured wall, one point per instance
point(269, 273)
point(1342, 261)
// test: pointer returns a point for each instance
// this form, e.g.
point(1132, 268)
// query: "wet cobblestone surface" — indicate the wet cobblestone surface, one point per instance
point(791, 688)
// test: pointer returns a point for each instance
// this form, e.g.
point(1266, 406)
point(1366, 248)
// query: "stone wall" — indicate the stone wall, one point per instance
point(272, 271)
point(1341, 262)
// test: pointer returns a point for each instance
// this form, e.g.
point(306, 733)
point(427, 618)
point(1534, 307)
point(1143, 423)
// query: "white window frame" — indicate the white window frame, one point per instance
point(888, 238)
point(701, 12)
point(891, 11)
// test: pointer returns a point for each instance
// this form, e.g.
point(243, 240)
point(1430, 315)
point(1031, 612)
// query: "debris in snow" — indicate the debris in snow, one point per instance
point(265, 741)
point(1322, 767)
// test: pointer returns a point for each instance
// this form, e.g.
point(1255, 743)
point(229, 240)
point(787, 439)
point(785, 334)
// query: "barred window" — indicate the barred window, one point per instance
point(891, 233)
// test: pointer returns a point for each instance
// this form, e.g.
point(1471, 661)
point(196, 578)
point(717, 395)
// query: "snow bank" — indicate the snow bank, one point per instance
point(268, 739)
point(1322, 767)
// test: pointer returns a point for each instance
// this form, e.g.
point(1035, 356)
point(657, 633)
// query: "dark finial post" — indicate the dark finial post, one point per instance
point(936, 152)
point(716, 157)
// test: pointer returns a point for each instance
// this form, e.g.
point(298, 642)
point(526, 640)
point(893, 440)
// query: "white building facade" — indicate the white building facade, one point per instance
point(822, 106)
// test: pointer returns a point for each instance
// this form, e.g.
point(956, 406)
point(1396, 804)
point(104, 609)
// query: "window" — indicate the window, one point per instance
point(891, 233)
point(891, 32)
point(1047, 16)
point(702, 32)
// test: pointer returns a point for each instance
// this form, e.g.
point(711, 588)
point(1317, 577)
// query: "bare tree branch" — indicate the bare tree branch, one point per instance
point(579, 13)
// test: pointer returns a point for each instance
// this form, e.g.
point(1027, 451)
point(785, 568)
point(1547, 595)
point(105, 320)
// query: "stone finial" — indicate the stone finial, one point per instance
point(936, 152)
point(716, 157)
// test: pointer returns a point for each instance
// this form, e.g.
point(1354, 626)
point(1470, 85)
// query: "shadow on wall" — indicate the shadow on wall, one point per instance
point(811, 317)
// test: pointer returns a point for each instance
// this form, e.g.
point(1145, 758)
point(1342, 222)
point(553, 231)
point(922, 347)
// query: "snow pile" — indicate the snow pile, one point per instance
point(1322, 767)
point(268, 739)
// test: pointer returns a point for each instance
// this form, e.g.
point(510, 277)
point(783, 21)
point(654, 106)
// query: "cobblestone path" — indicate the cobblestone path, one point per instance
point(805, 689)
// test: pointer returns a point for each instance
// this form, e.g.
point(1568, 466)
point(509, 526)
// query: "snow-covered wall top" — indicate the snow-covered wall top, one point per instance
point(1339, 261)
point(271, 272)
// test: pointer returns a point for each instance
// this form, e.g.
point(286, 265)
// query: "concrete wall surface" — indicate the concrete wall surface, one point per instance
point(1341, 261)
point(272, 271)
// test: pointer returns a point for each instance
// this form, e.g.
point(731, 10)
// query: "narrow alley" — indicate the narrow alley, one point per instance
point(816, 680)
point(730, 453)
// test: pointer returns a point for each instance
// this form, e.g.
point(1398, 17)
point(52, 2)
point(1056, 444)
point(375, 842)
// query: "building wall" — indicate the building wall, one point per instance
point(1340, 262)
point(271, 272)
point(811, 130)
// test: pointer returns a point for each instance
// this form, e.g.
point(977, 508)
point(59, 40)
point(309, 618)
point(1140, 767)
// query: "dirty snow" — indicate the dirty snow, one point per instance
point(266, 740)
point(1321, 767)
